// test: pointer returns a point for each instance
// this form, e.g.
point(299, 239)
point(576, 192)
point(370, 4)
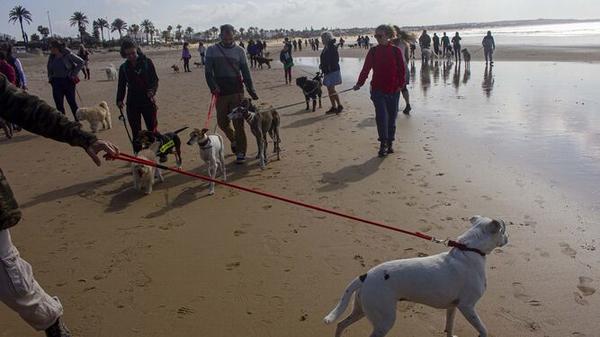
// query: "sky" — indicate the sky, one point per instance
point(296, 14)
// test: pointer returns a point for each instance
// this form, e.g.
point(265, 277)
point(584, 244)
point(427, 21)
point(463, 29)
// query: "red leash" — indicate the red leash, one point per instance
point(213, 102)
point(449, 243)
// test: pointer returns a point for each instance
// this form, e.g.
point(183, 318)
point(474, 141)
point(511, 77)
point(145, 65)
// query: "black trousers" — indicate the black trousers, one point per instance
point(64, 88)
point(134, 115)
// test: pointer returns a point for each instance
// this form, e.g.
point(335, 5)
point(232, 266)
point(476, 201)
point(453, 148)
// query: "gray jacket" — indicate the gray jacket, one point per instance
point(67, 66)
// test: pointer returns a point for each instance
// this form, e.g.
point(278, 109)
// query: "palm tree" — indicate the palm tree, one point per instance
point(20, 13)
point(44, 31)
point(188, 32)
point(102, 23)
point(242, 33)
point(179, 32)
point(134, 29)
point(81, 21)
point(119, 25)
point(153, 30)
point(147, 26)
point(214, 30)
point(169, 29)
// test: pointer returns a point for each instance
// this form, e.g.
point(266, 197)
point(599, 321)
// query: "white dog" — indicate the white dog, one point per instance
point(96, 115)
point(450, 280)
point(111, 73)
point(144, 175)
point(211, 152)
point(425, 55)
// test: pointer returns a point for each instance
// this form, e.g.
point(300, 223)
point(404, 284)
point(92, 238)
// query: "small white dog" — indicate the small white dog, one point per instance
point(96, 115)
point(111, 72)
point(144, 175)
point(211, 152)
point(450, 280)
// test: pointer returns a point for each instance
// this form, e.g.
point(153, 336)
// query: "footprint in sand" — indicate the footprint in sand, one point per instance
point(567, 250)
point(579, 299)
point(185, 311)
point(519, 292)
point(238, 232)
point(360, 260)
point(585, 286)
point(232, 265)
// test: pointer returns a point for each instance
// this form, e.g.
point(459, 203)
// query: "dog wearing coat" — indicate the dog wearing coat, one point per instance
point(211, 152)
point(96, 115)
point(263, 120)
point(144, 175)
point(451, 280)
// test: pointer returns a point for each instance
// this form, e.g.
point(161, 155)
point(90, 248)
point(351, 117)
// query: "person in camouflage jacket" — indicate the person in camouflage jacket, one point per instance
point(18, 288)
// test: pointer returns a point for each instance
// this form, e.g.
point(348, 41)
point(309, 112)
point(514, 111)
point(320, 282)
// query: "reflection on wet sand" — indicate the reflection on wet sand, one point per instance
point(488, 81)
point(425, 78)
point(456, 76)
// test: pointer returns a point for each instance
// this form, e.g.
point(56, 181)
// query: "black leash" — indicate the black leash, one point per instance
point(122, 118)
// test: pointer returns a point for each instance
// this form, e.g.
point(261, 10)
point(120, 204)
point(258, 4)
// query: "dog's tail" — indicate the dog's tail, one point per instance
point(179, 130)
point(341, 307)
point(103, 105)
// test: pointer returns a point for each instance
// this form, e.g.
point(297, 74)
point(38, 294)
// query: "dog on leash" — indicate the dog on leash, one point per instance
point(145, 175)
point(175, 68)
point(263, 120)
point(197, 64)
point(450, 280)
point(111, 73)
point(263, 60)
point(425, 55)
point(170, 143)
point(466, 57)
point(96, 115)
point(311, 89)
point(211, 152)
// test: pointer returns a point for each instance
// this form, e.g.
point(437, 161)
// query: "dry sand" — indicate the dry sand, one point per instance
point(180, 263)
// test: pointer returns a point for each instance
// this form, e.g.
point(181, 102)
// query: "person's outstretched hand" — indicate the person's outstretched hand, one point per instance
point(253, 95)
point(356, 87)
point(101, 146)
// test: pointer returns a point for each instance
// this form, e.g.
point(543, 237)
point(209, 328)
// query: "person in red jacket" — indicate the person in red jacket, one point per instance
point(389, 73)
point(7, 69)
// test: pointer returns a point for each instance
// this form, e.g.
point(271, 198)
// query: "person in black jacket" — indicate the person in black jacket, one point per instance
point(330, 66)
point(137, 76)
point(18, 288)
point(63, 70)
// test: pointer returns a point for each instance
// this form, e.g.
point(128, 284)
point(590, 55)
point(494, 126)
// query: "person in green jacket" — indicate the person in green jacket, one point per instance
point(18, 288)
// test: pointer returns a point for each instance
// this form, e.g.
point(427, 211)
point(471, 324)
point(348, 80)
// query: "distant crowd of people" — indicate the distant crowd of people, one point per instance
point(446, 47)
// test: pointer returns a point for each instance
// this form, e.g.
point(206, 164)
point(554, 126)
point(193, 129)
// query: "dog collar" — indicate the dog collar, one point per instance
point(463, 247)
point(205, 145)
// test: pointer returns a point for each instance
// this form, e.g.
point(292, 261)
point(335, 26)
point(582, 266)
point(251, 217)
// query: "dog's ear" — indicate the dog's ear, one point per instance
point(474, 219)
point(204, 131)
point(494, 226)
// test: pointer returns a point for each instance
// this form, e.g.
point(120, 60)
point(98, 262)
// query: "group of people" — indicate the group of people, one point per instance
point(363, 42)
point(446, 47)
point(254, 49)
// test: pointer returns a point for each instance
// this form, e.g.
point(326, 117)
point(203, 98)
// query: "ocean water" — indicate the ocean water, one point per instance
point(568, 34)
point(541, 116)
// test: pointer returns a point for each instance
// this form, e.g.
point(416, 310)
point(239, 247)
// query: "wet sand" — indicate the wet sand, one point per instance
point(179, 263)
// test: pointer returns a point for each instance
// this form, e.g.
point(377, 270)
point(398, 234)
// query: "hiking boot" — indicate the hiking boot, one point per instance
point(340, 108)
point(406, 110)
point(390, 148)
point(58, 329)
point(240, 158)
point(382, 150)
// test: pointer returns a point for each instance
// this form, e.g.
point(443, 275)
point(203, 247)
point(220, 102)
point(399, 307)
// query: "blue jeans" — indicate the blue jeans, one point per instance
point(386, 112)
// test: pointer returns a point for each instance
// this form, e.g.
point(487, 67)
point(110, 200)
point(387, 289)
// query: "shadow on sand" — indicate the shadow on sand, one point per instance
point(349, 174)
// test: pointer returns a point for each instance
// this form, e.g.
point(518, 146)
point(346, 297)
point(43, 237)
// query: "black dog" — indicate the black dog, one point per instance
point(311, 89)
point(168, 142)
point(263, 60)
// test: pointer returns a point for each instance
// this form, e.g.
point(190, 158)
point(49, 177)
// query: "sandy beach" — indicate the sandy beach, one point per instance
point(521, 143)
